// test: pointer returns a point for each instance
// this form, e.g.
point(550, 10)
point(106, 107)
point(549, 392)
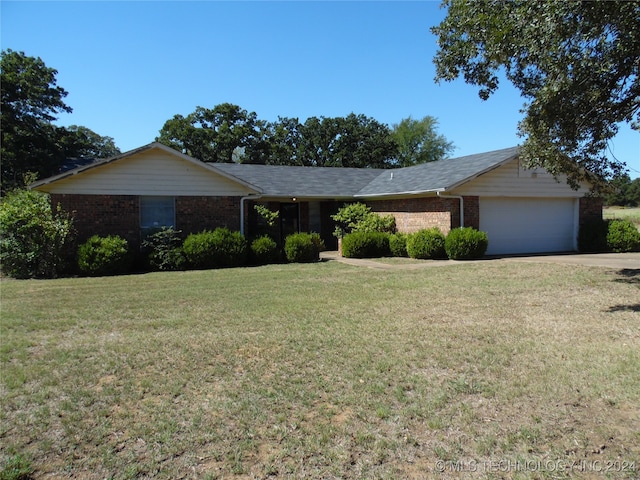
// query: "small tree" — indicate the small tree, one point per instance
point(165, 250)
point(34, 235)
point(358, 217)
point(270, 217)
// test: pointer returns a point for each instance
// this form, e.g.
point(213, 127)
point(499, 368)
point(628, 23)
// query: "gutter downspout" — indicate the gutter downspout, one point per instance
point(459, 197)
point(249, 197)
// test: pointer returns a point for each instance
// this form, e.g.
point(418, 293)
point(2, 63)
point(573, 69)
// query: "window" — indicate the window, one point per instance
point(157, 212)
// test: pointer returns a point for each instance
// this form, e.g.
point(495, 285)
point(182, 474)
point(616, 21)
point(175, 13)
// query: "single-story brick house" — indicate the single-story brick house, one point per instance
point(522, 210)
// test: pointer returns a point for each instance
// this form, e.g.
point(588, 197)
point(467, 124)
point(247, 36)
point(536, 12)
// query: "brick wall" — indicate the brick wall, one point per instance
point(120, 214)
point(413, 214)
point(590, 209)
point(102, 215)
point(194, 214)
point(471, 212)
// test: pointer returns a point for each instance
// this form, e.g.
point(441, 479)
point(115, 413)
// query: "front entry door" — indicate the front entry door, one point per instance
point(289, 219)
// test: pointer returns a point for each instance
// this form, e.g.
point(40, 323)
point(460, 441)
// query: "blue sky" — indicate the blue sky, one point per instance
point(130, 66)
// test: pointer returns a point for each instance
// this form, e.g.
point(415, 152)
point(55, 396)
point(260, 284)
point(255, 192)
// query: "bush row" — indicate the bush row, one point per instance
point(220, 248)
point(460, 244)
point(609, 236)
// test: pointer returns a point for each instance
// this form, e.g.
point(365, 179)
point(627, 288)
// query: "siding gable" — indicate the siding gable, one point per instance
point(513, 180)
point(151, 172)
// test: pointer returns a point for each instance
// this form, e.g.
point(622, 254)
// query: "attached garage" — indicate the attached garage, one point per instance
point(529, 225)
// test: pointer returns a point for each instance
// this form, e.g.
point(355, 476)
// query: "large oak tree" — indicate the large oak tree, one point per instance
point(576, 64)
point(31, 143)
point(225, 133)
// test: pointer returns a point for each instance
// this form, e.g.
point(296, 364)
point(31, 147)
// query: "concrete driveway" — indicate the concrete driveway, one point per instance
point(618, 261)
point(607, 260)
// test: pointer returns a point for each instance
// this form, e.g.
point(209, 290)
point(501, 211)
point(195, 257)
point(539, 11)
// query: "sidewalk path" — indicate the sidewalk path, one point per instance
point(625, 261)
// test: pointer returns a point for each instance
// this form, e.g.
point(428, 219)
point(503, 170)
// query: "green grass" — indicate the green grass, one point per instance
point(625, 213)
point(324, 371)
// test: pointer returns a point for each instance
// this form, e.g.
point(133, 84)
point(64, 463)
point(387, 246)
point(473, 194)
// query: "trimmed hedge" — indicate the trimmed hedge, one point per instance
point(426, 244)
point(466, 243)
point(220, 248)
point(264, 250)
point(398, 244)
point(623, 236)
point(608, 236)
point(365, 245)
point(303, 247)
point(100, 256)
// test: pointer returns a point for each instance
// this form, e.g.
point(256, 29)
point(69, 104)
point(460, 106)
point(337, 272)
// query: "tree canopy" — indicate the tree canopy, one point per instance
point(576, 64)
point(623, 191)
point(82, 142)
point(221, 134)
point(355, 141)
point(31, 101)
point(228, 133)
point(419, 142)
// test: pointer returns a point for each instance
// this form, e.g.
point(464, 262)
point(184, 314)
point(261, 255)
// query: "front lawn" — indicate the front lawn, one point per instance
point(473, 370)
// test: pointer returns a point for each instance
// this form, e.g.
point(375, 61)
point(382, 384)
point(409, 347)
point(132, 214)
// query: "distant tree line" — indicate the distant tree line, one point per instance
point(32, 143)
point(227, 133)
point(623, 191)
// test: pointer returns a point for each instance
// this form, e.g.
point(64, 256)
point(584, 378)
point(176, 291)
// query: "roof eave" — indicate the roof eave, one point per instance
point(105, 161)
point(136, 151)
point(400, 194)
point(455, 185)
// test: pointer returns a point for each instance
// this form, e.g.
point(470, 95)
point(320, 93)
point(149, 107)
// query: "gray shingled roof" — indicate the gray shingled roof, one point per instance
point(334, 182)
point(310, 182)
point(436, 176)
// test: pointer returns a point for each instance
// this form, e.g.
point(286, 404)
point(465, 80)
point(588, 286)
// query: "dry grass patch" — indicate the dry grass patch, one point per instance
point(325, 371)
point(623, 213)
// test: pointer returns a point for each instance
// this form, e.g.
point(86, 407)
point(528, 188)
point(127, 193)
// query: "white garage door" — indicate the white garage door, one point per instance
point(528, 225)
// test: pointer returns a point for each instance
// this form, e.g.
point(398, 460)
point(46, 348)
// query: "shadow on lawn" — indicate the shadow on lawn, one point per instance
point(631, 276)
point(628, 275)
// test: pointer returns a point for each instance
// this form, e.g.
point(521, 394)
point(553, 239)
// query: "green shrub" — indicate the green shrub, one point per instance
point(264, 250)
point(108, 255)
point(164, 249)
point(348, 217)
point(623, 236)
point(426, 244)
point(592, 236)
point(398, 244)
point(318, 242)
point(302, 248)
point(365, 245)
point(358, 217)
point(34, 236)
point(376, 223)
point(215, 249)
point(465, 243)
